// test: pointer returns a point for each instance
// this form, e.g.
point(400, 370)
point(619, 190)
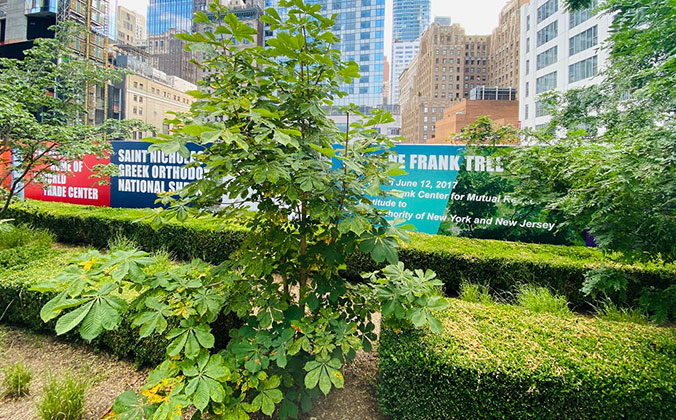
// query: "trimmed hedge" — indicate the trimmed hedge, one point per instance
point(21, 306)
point(505, 362)
point(501, 265)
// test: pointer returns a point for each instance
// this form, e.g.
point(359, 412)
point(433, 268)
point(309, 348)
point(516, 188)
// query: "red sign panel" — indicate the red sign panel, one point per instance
point(73, 183)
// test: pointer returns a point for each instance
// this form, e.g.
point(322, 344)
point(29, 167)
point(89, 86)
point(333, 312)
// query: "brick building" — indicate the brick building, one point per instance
point(503, 50)
point(448, 66)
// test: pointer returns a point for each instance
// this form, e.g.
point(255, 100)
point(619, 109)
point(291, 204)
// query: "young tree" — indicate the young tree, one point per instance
point(266, 139)
point(42, 104)
point(608, 158)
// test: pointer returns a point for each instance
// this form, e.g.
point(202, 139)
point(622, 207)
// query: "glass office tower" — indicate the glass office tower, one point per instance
point(410, 18)
point(165, 19)
point(360, 25)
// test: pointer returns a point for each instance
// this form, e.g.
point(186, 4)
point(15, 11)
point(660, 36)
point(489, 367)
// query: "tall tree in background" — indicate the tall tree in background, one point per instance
point(42, 106)
point(608, 158)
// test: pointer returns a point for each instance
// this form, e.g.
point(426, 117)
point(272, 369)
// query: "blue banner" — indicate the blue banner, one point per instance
point(143, 174)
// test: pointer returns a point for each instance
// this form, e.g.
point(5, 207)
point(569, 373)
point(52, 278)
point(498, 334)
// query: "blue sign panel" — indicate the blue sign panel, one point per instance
point(144, 173)
point(424, 192)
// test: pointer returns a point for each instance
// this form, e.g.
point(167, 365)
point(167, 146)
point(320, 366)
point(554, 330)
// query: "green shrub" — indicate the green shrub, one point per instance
point(17, 379)
point(471, 292)
point(63, 398)
point(541, 299)
point(21, 306)
point(505, 362)
point(501, 265)
point(612, 312)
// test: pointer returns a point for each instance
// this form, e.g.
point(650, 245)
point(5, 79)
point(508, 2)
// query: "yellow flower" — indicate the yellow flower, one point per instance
point(88, 265)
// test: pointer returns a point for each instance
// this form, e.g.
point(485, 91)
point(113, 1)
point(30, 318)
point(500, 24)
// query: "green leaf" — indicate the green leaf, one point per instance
point(73, 318)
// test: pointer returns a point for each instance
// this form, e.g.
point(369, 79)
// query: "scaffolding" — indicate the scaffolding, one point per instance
point(94, 15)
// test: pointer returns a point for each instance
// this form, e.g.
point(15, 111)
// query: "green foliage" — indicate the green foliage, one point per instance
point(63, 397)
point(13, 236)
point(505, 362)
point(611, 312)
point(265, 137)
point(484, 131)
point(607, 159)
point(21, 306)
point(17, 380)
point(472, 292)
point(541, 299)
point(498, 264)
point(43, 103)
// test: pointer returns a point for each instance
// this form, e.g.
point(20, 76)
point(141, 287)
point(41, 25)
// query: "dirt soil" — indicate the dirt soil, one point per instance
point(107, 376)
point(110, 377)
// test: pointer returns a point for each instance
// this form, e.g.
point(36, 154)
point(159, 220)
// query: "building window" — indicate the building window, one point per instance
point(527, 66)
point(547, 58)
point(547, 9)
point(527, 45)
point(527, 89)
point(579, 16)
point(545, 83)
point(525, 112)
point(548, 33)
point(540, 109)
point(528, 23)
point(583, 69)
point(583, 40)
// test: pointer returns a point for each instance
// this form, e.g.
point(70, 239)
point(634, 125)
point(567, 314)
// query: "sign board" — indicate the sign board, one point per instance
point(448, 190)
point(464, 191)
point(143, 173)
point(73, 183)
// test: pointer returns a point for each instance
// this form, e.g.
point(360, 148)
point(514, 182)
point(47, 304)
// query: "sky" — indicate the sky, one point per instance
point(478, 17)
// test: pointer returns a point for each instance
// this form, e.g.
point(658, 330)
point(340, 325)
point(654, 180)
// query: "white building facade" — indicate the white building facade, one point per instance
point(402, 54)
point(559, 50)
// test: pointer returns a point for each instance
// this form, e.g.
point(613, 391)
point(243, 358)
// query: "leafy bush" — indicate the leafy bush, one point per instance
point(541, 299)
point(63, 398)
point(499, 264)
point(16, 382)
point(502, 361)
point(471, 292)
point(19, 305)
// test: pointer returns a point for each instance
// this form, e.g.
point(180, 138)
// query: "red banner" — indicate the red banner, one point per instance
point(73, 183)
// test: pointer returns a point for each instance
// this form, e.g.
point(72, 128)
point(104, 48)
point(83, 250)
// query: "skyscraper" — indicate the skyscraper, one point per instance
point(410, 18)
point(165, 19)
point(360, 25)
point(449, 65)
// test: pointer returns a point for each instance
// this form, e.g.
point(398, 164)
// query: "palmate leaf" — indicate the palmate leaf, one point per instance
point(129, 406)
point(269, 395)
point(323, 372)
point(190, 339)
point(205, 375)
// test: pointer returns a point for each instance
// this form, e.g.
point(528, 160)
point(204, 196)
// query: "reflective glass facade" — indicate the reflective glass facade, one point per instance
point(165, 19)
point(164, 15)
point(360, 25)
point(410, 18)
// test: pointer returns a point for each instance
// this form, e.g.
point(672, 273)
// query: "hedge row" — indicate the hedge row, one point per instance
point(505, 362)
point(499, 264)
point(21, 306)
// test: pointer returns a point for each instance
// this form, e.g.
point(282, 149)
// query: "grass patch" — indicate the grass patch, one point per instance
point(612, 312)
point(472, 292)
point(13, 236)
point(503, 361)
point(541, 299)
point(17, 380)
point(63, 398)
